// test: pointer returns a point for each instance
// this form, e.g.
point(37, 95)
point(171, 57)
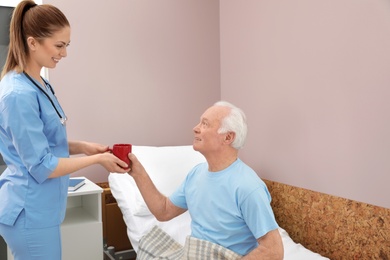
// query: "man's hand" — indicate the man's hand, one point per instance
point(160, 205)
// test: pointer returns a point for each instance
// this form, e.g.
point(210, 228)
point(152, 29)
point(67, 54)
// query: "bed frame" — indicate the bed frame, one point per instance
point(116, 244)
point(335, 227)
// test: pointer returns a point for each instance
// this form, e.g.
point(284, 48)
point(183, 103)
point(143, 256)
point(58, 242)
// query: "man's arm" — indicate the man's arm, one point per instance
point(270, 247)
point(160, 205)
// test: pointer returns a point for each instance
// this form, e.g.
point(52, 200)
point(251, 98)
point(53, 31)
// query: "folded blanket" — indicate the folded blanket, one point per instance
point(157, 244)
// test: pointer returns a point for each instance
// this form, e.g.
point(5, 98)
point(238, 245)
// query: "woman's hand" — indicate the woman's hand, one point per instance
point(94, 148)
point(87, 148)
point(112, 163)
point(109, 161)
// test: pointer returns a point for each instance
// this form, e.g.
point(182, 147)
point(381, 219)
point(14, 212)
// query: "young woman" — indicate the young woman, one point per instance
point(33, 141)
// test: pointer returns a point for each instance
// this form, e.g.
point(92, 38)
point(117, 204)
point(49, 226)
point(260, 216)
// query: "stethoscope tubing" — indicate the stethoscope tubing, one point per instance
point(62, 119)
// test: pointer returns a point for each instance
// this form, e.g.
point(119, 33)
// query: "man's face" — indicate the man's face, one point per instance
point(207, 139)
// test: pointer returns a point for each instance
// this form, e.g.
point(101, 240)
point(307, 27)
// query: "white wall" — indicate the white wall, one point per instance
point(13, 3)
point(313, 77)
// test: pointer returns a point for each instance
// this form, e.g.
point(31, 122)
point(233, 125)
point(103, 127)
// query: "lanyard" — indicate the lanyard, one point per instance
point(62, 119)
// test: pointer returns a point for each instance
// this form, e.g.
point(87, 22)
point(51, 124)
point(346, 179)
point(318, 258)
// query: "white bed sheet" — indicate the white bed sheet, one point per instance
point(167, 173)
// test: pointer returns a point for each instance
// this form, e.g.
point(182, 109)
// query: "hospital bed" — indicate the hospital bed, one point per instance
point(312, 225)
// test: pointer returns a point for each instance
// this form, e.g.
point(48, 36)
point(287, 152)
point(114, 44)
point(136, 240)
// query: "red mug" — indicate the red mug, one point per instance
point(121, 151)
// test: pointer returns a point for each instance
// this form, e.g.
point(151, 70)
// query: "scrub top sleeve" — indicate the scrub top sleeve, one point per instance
point(24, 127)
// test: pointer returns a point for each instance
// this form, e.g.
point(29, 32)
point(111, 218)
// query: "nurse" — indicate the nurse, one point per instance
point(33, 140)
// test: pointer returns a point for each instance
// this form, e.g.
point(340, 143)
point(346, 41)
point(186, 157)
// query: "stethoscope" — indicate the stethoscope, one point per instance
point(62, 119)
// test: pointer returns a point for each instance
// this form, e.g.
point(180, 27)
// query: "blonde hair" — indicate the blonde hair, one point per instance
point(30, 19)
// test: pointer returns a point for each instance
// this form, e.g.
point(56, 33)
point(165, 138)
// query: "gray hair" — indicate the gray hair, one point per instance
point(235, 122)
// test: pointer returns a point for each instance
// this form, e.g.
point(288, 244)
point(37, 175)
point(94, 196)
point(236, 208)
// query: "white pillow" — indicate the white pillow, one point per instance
point(167, 167)
point(296, 251)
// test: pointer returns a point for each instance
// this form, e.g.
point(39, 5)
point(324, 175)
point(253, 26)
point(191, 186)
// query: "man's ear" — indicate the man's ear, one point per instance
point(229, 137)
point(31, 43)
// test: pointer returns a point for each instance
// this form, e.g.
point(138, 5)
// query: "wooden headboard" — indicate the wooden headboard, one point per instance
point(334, 227)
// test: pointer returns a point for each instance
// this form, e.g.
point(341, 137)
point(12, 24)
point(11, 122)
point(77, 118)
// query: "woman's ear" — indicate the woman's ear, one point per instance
point(31, 43)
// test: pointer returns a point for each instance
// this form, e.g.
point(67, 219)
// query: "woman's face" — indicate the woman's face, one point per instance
point(50, 51)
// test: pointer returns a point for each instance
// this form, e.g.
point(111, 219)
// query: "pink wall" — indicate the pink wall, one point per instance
point(138, 71)
point(313, 77)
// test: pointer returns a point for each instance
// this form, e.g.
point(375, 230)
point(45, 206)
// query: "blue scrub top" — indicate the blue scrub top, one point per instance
point(32, 139)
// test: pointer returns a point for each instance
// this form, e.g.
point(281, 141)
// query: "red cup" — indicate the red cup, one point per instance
point(121, 151)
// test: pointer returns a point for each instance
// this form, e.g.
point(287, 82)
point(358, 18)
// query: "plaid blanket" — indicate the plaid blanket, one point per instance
point(157, 244)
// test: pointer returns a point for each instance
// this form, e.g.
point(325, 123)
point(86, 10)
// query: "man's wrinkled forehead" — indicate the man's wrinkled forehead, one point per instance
point(215, 113)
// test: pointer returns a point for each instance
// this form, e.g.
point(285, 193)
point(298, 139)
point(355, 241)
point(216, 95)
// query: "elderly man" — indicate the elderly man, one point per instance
point(228, 203)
